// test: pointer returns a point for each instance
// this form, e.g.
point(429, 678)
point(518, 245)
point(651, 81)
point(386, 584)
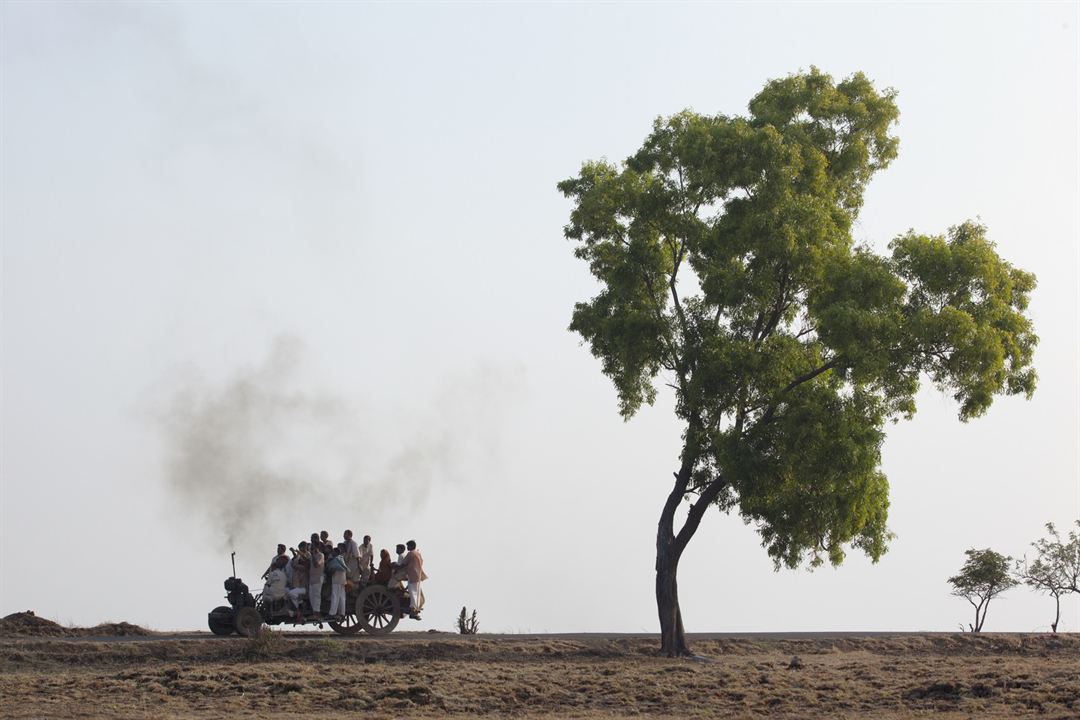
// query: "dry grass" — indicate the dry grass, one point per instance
point(993, 676)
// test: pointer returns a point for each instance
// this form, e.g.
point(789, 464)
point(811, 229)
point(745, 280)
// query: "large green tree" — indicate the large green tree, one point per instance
point(728, 271)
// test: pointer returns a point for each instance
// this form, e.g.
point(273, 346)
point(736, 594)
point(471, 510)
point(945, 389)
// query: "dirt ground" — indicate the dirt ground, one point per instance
point(593, 676)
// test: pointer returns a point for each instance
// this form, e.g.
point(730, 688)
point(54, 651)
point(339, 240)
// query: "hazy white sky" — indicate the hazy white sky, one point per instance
point(324, 241)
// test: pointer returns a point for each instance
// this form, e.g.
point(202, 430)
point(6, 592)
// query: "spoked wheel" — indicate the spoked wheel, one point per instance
point(378, 609)
point(350, 625)
point(220, 620)
point(248, 622)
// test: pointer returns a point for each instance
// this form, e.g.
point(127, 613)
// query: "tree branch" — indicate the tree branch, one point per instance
point(676, 362)
point(697, 511)
point(806, 377)
point(682, 482)
point(678, 252)
point(757, 327)
point(678, 307)
point(812, 374)
point(740, 411)
point(778, 308)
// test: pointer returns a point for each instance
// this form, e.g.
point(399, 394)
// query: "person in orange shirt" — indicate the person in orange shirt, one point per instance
point(414, 574)
point(382, 575)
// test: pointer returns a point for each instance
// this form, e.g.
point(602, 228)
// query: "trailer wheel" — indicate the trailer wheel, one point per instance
point(350, 625)
point(378, 610)
point(248, 622)
point(220, 621)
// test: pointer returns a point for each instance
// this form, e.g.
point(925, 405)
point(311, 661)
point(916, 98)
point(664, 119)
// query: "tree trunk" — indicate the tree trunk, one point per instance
point(672, 636)
point(669, 546)
point(669, 549)
point(1057, 613)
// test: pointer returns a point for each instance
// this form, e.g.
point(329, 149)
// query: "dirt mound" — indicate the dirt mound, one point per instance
point(27, 624)
point(112, 629)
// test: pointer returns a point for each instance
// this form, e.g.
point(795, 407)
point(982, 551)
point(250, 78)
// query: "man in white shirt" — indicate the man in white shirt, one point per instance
point(336, 566)
point(398, 573)
point(351, 557)
point(315, 576)
point(367, 554)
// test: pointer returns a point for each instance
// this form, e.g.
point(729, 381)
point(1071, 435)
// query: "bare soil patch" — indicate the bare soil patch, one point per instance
point(421, 675)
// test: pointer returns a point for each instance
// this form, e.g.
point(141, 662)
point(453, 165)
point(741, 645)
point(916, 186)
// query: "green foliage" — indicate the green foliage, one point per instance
point(727, 269)
point(965, 312)
point(1056, 567)
point(985, 575)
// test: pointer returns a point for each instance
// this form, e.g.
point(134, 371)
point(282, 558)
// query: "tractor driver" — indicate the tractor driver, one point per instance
point(274, 589)
point(280, 553)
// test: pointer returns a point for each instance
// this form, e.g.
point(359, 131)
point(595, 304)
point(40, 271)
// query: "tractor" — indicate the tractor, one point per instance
point(373, 608)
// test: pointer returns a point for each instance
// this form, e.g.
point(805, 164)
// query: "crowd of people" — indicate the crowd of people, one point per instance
point(321, 561)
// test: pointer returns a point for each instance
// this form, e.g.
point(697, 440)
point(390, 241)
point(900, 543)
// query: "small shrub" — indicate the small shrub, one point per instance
point(466, 624)
point(265, 644)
